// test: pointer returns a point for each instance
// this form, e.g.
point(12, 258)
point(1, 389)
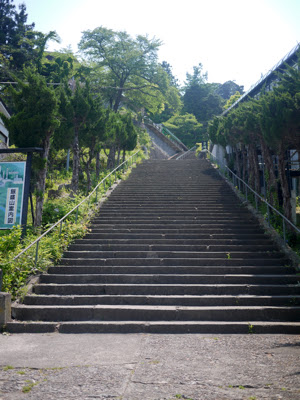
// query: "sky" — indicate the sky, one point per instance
point(235, 40)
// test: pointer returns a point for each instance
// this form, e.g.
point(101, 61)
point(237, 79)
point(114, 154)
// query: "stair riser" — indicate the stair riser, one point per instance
point(116, 235)
point(171, 242)
point(156, 247)
point(167, 290)
point(171, 262)
point(175, 255)
point(135, 314)
point(169, 279)
point(177, 224)
point(162, 301)
point(155, 328)
point(170, 270)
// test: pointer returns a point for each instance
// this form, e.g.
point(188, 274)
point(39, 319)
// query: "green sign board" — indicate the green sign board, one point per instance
point(12, 179)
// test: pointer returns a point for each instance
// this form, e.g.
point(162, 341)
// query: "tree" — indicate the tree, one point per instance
point(173, 80)
point(228, 89)
point(197, 78)
point(75, 108)
point(16, 35)
point(199, 97)
point(232, 100)
point(128, 64)
point(33, 125)
point(92, 137)
point(200, 100)
point(186, 127)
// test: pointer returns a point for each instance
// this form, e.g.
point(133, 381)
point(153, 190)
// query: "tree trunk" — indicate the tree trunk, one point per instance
point(237, 163)
point(254, 168)
point(284, 183)
point(118, 157)
point(245, 163)
point(118, 100)
point(89, 167)
point(41, 181)
point(124, 156)
point(271, 181)
point(98, 166)
point(88, 176)
point(76, 162)
point(111, 160)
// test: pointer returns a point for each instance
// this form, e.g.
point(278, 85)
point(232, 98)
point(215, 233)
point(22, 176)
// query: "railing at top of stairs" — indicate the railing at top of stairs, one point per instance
point(245, 189)
point(185, 154)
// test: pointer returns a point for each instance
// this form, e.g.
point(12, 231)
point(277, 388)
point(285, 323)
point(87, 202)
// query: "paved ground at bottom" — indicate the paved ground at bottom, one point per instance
point(149, 367)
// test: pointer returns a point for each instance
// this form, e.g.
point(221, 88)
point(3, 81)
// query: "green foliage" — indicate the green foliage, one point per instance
point(16, 36)
point(36, 108)
point(128, 64)
point(185, 127)
point(229, 89)
point(51, 247)
point(55, 209)
point(232, 100)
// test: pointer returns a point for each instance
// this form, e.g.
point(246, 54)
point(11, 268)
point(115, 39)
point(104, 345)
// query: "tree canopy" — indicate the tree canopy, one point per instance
point(127, 64)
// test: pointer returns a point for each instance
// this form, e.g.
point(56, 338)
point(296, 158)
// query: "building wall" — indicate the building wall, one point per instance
point(4, 134)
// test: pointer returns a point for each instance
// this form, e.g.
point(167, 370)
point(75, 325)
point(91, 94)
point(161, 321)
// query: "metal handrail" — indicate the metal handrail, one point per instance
point(173, 136)
point(258, 196)
point(161, 129)
point(183, 155)
point(37, 241)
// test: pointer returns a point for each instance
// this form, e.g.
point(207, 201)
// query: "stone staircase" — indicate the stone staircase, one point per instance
point(172, 251)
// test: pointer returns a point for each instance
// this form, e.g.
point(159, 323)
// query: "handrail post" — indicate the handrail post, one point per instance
point(77, 210)
point(283, 228)
point(60, 227)
point(256, 202)
point(268, 208)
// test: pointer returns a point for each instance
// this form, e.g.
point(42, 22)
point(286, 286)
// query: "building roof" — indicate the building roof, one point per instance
point(271, 76)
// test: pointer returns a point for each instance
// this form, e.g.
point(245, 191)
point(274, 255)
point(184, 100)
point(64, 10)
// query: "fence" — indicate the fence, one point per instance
point(246, 189)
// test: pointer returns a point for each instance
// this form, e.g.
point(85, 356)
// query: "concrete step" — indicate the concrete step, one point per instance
point(176, 224)
point(186, 300)
point(173, 235)
point(169, 247)
point(181, 232)
point(172, 242)
point(173, 261)
point(136, 270)
point(216, 255)
point(169, 279)
point(166, 327)
point(155, 313)
point(179, 216)
point(167, 290)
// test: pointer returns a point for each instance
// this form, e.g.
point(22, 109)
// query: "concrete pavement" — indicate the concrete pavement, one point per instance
point(149, 367)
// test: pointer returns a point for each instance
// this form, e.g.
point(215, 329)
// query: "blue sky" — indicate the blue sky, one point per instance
point(233, 39)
